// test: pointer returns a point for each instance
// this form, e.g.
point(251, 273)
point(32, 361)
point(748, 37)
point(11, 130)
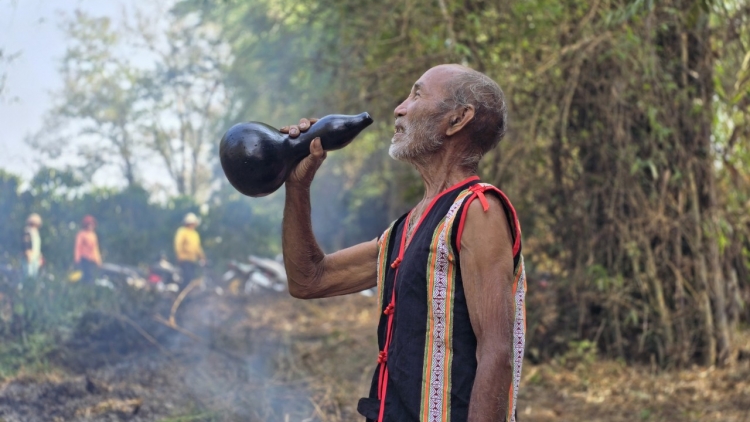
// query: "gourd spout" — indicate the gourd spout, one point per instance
point(336, 130)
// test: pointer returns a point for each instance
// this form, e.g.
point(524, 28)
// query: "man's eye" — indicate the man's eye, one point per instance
point(417, 94)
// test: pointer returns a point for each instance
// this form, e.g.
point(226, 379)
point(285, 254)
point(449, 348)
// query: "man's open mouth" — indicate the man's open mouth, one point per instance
point(399, 129)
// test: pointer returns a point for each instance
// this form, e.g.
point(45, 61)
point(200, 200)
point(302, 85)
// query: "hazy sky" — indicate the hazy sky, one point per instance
point(32, 27)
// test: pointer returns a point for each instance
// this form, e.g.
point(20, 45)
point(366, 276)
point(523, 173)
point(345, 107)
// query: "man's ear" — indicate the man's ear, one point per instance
point(459, 119)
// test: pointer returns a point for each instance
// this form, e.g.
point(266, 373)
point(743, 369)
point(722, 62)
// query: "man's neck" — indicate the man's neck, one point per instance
point(439, 171)
point(442, 170)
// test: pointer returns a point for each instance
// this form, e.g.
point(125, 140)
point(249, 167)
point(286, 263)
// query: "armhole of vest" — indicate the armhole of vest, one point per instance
point(392, 232)
point(510, 214)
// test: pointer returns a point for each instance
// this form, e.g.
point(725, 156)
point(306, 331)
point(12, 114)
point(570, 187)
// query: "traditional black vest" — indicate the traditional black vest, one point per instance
point(427, 359)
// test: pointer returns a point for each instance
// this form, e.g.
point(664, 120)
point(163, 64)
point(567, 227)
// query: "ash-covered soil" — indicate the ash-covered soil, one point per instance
point(274, 358)
point(213, 366)
point(135, 389)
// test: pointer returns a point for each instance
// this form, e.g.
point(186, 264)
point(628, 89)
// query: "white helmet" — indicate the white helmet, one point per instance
point(191, 219)
point(34, 219)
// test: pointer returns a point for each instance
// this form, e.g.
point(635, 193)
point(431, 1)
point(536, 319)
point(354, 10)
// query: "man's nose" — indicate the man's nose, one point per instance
point(400, 110)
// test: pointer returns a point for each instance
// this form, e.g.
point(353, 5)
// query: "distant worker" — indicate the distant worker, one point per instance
point(187, 248)
point(87, 256)
point(32, 246)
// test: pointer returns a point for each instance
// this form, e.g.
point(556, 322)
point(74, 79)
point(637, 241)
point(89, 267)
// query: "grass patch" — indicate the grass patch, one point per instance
point(194, 417)
point(29, 355)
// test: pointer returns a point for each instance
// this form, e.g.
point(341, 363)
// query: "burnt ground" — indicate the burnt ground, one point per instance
point(215, 366)
point(274, 358)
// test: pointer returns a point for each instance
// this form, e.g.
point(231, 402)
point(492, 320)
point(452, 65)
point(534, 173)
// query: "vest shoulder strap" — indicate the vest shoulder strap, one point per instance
point(479, 191)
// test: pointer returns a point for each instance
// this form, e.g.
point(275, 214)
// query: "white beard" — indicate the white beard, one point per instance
point(419, 140)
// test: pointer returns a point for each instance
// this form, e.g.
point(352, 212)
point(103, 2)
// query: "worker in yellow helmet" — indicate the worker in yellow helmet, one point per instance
point(187, 248)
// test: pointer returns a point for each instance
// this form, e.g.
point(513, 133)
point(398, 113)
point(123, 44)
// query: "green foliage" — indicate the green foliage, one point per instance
point(193, 417)
point(42, 311)
point(236, 226)
point(30, 355)
point(579, 354)
point(627, 156)
point(132, 229)
point(114, 112)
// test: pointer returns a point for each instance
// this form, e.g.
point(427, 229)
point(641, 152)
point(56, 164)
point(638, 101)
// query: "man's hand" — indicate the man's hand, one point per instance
point(302, 175)
point(312, 273)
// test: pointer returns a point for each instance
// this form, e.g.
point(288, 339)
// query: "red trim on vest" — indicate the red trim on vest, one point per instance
point(390, 309)
point(479, 193)
point(434, 201)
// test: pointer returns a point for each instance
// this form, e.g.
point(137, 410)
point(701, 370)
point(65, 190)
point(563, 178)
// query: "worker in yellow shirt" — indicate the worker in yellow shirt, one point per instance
point(187, 248)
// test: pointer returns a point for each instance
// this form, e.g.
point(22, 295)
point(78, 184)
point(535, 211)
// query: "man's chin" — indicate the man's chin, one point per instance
point(397, 152)
point(398, 137)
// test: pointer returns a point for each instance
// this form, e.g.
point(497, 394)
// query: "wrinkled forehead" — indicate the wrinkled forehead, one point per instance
point(436, 79)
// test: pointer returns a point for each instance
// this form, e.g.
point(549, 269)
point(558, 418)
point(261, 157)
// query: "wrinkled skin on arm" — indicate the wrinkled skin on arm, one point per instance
point(487, 273)
point(312, 273)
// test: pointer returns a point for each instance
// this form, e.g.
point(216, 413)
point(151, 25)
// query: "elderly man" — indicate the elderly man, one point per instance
point(450, 272)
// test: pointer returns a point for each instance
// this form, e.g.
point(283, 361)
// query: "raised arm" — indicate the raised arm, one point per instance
point(312, 273)
point(487, 272)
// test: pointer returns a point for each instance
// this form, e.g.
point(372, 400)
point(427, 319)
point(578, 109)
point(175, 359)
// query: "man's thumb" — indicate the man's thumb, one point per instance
point(316, 149)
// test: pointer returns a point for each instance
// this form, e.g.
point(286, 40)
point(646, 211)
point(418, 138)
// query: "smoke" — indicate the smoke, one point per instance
point(235, 366)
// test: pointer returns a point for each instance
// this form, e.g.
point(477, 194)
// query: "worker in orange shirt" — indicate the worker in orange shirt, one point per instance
point(86, 255)
point(187, 248)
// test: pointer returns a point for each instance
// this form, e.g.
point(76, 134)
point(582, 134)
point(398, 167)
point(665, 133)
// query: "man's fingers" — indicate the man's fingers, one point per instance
point(316, 149)
point(294, 130)
point(305, 123)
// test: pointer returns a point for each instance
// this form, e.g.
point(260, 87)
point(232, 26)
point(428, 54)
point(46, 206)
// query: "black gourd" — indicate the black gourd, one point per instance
point(257, 158)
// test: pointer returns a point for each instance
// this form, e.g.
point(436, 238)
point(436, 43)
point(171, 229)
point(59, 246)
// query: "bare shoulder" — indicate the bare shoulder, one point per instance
point(496, 209)
point(488, 229)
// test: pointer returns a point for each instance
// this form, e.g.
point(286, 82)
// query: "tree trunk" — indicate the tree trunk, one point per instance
point(718, 289)
point(679, 295)
point(701, 273)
